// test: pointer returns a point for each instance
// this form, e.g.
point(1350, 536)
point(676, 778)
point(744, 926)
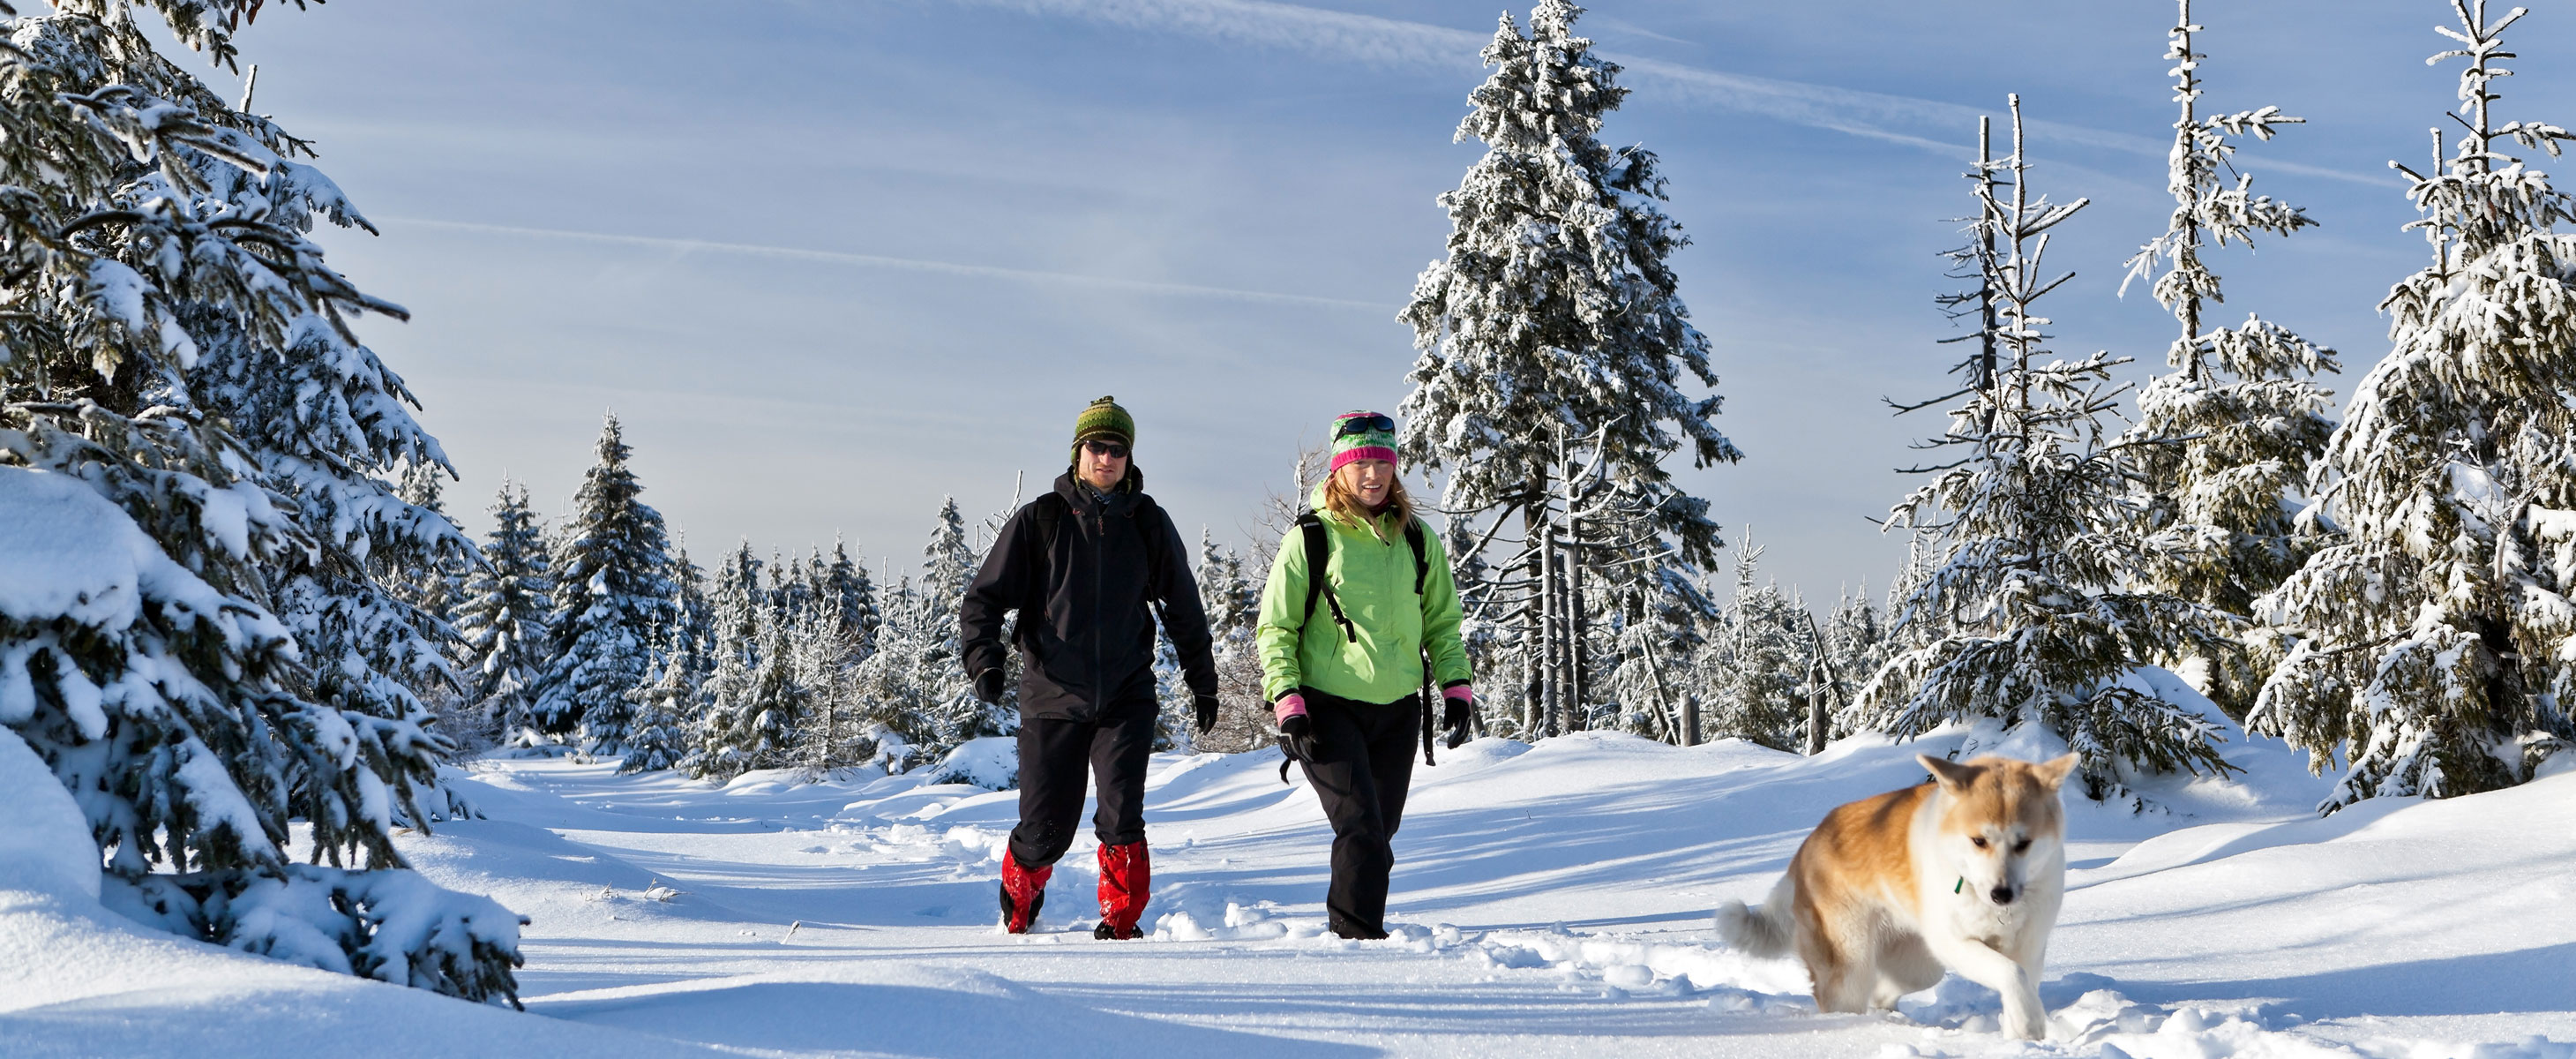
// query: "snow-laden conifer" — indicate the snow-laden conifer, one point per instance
point(948, 564)
point(1555, 319)
point(736, 734)
point(2238, 421)
point(1656, 628)
point(1765, 661)
point(504, 619)
point(2026, 612)
point(612, 603)
point(2432, 640)
point(1232, 601)
point(176, 344)
point(823, 655)
point(670, 712)
point(1856, 645)
point(843, 584)
point(436, 588)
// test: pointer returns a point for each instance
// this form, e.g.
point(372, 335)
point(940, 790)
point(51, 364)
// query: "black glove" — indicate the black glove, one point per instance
point(1297, 738)
point(1455, 717)
point(1206, 705)
point(988, 686)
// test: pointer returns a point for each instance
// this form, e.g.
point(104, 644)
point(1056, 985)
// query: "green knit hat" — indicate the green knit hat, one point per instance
point(1104, 419)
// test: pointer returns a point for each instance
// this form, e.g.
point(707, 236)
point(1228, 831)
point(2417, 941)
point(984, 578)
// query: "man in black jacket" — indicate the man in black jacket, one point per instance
point(1086, 566)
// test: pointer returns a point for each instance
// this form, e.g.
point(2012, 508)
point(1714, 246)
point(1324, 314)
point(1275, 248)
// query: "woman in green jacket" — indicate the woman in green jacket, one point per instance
point(1342, 657)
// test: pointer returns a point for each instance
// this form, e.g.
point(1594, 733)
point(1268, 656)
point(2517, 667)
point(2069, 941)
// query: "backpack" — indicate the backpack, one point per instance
point(1319, 551)
point(1049, 510)
point(1318, 543)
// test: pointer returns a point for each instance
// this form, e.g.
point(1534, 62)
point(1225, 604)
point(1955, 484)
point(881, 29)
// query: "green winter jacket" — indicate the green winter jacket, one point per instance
point(1371, 571)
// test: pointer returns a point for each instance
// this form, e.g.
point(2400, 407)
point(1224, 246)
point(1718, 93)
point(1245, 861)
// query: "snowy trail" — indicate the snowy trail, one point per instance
point(1549, 900)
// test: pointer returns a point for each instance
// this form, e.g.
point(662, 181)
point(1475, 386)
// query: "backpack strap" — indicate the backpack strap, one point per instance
point(1319, 553)
point(1421, 554)
point(1047, 513)
point(1140, 515)
point(1413, 531)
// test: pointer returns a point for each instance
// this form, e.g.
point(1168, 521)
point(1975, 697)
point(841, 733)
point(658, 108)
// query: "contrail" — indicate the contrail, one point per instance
point(837, 257)
point(1390, 42)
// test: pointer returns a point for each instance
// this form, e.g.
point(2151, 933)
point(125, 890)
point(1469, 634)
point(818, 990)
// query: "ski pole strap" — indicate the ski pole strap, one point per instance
point(1426, 696)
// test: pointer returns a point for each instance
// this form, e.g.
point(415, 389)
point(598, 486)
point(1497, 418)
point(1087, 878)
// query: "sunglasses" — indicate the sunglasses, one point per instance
point(1372, 423)
point(1111, 449)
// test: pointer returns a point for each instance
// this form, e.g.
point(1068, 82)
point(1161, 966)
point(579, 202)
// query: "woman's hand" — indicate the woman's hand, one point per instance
point(1460, 712)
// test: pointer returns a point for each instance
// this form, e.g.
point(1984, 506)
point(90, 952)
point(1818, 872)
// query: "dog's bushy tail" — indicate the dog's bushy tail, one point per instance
point(1764, 931)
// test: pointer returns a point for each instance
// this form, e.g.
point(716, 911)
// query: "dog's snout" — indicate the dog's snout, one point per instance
point(2003, 895)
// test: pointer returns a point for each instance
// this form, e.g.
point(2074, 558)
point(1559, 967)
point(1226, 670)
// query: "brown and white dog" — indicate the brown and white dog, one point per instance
point(1965, 872)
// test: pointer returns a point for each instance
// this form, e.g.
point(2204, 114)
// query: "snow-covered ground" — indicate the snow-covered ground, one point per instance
point(1549, 900)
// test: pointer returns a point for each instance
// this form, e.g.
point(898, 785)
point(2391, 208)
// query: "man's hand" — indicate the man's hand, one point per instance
point(1460, 712)
point(988, 686)
point(1297, 738)
point(1206, 705)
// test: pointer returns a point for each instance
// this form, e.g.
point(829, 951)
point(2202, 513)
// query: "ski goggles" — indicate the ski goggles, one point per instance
point(1366, 423)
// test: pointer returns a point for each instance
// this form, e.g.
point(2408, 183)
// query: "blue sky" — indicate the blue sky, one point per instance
point(830, 261)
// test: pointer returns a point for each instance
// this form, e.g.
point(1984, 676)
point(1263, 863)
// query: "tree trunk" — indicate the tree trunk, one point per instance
point(1577, 635)
point(1533, 630)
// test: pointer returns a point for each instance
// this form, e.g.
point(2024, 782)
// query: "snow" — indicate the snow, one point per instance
point(66, 552)
point(46, 846)
point(1549, 900)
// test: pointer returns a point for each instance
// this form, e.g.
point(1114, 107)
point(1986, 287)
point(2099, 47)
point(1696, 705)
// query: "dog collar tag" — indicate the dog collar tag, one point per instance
point(1961, 885)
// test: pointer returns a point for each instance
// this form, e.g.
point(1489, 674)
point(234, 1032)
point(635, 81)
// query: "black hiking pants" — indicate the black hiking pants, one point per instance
point(1057, 756)
point(1363, 765)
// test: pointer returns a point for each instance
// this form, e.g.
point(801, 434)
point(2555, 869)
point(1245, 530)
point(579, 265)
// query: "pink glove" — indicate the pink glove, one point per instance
point(1290, 705)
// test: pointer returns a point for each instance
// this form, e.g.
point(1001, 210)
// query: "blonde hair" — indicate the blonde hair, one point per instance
point(1340, 500)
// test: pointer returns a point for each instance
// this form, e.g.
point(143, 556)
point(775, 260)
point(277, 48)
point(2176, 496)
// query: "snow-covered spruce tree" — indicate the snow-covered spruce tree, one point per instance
point(948, 564)
point(891, 678)
point(175, 344)
point(1232, 602)
point(612, 604)
point(2432, 639)
point(2239, 417)
point(1555, 317)
point(844, 585)
point(1856, 645)
point(823, 659)
point(503, 620)
point(670, 711)
point(436, 588)
point(1655, 630)
point(733, 737)
point(2027, 613)
point(1766, 662)
point(790, 592)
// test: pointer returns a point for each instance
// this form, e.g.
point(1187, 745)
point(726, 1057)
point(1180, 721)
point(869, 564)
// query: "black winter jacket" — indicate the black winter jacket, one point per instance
point(1086, 631)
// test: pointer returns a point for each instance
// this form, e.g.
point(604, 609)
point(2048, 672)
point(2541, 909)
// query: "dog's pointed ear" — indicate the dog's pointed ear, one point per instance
point(1951, 775)
point(2054, 773)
